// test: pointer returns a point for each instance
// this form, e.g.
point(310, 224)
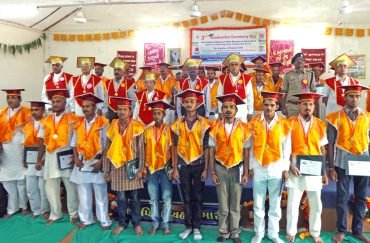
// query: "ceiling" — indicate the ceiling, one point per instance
point(57, 15)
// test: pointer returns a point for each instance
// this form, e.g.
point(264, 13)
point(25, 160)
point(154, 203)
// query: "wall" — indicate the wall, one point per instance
point(20, 71)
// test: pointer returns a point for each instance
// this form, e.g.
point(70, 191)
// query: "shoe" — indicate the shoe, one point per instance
point(236, 240)
point(197, 234)
point(185, 234)
point(257, 239)
point(277, 240)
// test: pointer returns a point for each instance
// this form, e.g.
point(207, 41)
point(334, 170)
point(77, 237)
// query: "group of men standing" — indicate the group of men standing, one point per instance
point(89, 130)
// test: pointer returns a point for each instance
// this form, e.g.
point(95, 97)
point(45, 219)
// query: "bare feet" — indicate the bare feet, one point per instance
point(118, 230)
point(81, 226)
point(34, 216)
point(290, 238)
point(74, 220)
point(25, 212)
point(361, 237)
point(6, 216)
point(166, 231)
point(105, 228)
point(317, 239)
point(139, 230)
point(152, 231)
point(338, 238)
point(49, 222)
point(46, 215)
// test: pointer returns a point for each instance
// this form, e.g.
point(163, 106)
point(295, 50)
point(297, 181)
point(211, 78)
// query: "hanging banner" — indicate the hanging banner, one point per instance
point(154, 53)
point(213, 45)
point(314, 56)
point(282, 51)
point(130, 57)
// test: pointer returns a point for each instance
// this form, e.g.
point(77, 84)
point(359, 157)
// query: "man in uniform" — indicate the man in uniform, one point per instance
point(88, 140)
point(270, 149)
point(213, 86)
point(305, 125)
point(119, 86)
point(87, 83)
point(228, 161)
point(57, 79)
point(348, 134)
point(238, 83)
point(55, 138)
point(296, 81)
point(12, 171)
point(34, 179)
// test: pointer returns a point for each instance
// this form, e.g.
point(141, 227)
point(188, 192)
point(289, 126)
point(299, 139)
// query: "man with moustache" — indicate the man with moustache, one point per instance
point(276, 81)
point(213, 86)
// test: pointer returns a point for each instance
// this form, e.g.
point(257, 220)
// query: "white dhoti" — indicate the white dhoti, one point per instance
point(35, 186)
point(17, 196)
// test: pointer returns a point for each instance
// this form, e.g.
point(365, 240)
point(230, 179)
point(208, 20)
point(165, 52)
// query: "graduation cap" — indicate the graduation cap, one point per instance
point(254, 60)
point(260, 70)
point(192, 62)
point(14, 92)
point(85, 60)
point(146, 68)
point(56, 59)
point(297, 55)
point(163, 64)
point(89, 97)
point(57, 92)
point(122, 101)
point(308, 96)
point(343, 59)
point(119, 63)
point(177, 67)
point(148, 75)
point(271, 95)
point(98, 64)
point(353, 88)
point(190, 93)
point(231, 98)
point(232, 58)
point(36, 103)
point(160, 105)
point(212, 68)
point(275, 64)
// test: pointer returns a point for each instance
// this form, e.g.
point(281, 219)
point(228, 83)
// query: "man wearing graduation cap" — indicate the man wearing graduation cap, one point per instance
point(229, 158)
point(158, 159)
point(308, 138)
point(57, 79)
point(276, 81)
point(334, 96)
point(195, 83)
point(191, 135)
point(143, 113)
point(213, 86)
point(166, 82)
point(139, 83)
point(125, 149)
point(118, 87)
point(261, 84)
point(86, 83)
point(270, 149)
point(55, 135)
point(99, 71)
point(34, 178)
point(238, 83)
point(259, 63)
point(12, 171)
point(348, 135)
point(296, 81)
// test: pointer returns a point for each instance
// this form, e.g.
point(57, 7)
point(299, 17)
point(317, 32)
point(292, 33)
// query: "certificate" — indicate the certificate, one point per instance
point(132, 168)
point(310, 165)
point(65, 159)
point(241, 172)
point(358, 165)
point(88, 165)
point(30, 155)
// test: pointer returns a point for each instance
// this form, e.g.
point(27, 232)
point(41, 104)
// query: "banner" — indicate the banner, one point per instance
point(282, 51)
point(314, 56)
point(154, 53)
point(213, 45)
point(130, 57)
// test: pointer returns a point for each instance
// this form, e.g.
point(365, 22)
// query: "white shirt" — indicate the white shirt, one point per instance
point(286, 147)
point(332, 96)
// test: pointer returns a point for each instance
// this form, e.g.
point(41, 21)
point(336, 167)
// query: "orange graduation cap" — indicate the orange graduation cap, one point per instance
point(57, 92)
point(15, 92)
point(85, 60)
point(353, 88)
point(231, 98)
point(122, 101)
point(89, 97)
point(233, 58)
point(254, 60)
point(308, 96)
point(190, 93)
point(160, 105)
point(98, 64)
point(271, 95)
point(275, 64)
point(36, 103)
point(260, 70)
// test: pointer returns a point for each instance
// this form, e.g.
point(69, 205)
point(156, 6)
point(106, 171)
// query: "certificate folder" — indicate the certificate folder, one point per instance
point(308, 165)
point(358, 165)
point(64, 159)
point(30, 155)
point(132, 167)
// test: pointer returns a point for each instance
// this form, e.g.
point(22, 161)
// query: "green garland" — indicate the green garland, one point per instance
point(26, 47)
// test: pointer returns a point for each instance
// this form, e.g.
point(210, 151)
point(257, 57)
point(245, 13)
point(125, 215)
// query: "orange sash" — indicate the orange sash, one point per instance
point(167, 85)
point(8, 126)
point(157, 146)
point(190, 142)
point(257, 97)
point(275, 87)
point(229, 148)
point(88, 142)
point(120, 150)
point(213, 91)
point(30, 134)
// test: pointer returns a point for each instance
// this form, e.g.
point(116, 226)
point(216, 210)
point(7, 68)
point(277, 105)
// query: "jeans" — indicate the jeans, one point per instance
point(122, 202)
point(359, 207)
point(156, 180)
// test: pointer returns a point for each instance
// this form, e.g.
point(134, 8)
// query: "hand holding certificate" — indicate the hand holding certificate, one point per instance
point(310, 165)
point(30, 155)
point(65, 159)
point(358, 165)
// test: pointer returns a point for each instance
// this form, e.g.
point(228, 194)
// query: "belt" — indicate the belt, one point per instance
point(294, 102)
point(194, 163)
point(212, 113)
point(219, 163)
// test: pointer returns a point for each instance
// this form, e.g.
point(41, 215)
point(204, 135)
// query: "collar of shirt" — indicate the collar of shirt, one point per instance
point(12, 112)
point(85, 78)
point(344, 81)
point(56, 77)
point(299, 72)
point(306, 124)
point(163, 79)
point(58, 117)
point(234, 78)
point(211, 84)
point(192, 82)
point(150, 95)
point(90, 123)
point(35, 123)
point(356, 113)
point(273, 121)
point(191, 123)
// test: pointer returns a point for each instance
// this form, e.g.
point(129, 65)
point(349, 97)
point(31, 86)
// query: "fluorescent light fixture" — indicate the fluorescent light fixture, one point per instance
point(17, 11)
